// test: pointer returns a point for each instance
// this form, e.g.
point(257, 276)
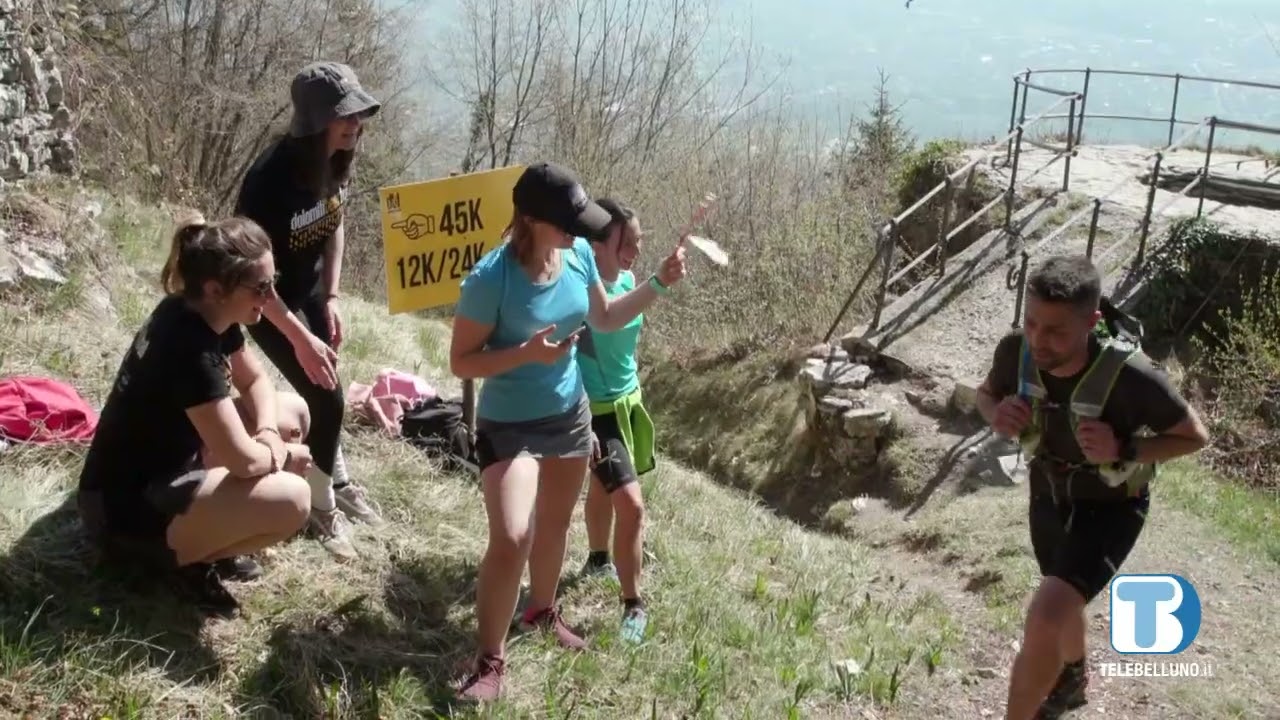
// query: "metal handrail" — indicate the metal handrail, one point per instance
point(1136, 118)
point(1144, 73)
point(888, 233)
point(1043, 88)
point(1098, 199)
point(887, 236)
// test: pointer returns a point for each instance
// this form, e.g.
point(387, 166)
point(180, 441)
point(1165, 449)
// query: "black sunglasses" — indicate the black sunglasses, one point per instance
point(263, 288)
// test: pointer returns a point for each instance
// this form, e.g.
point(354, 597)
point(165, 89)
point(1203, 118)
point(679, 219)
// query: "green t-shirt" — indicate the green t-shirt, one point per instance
point(608, 359)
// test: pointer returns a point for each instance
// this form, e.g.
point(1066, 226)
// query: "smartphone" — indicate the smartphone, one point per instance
point(569, 338)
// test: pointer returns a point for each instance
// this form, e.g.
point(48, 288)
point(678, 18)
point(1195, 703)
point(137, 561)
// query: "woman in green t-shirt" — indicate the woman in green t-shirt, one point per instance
point(620, 422)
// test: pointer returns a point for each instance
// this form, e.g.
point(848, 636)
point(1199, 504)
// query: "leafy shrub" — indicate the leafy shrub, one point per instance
point(1240, 366)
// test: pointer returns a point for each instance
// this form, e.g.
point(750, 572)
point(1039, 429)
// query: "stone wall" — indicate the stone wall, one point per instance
point(843, 409)
point(35, 136)
point(35, 124)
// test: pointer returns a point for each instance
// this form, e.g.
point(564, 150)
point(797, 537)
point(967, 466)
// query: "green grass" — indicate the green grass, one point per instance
point(1249, 517)
point(752, 615)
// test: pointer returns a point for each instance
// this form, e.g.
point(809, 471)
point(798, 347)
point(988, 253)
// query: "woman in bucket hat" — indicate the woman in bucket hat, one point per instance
point(296, 190)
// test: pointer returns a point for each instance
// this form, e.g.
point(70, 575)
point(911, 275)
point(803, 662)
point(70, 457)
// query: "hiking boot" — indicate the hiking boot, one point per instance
point(551, 621)
point(1067, 694)
point(485, 682)
point(200, 583)
point(241, 568)
point(353, 500)
point(333, 529)
point(634, 622)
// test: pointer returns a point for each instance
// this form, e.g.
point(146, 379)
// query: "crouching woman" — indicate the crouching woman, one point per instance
point(182, 476)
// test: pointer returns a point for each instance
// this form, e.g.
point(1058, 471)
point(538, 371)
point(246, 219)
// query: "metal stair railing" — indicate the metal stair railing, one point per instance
point(888, 235)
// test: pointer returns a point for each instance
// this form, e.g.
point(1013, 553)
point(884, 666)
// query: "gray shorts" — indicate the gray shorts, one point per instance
point(565, 435)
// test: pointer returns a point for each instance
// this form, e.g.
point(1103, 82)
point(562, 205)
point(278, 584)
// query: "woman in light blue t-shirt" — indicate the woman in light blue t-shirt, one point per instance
point(516, 326)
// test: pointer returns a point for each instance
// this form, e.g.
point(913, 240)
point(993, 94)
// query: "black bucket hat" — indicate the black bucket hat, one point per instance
point(553, 194)
point(324, 91)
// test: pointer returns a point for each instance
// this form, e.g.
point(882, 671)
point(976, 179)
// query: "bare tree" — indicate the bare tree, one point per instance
point(599, 84)
point(198, 87)
point(498, 75)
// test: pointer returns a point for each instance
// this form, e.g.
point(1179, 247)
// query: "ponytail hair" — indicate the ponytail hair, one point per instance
point(188, 228)
point(201, 251)
point(519, 236)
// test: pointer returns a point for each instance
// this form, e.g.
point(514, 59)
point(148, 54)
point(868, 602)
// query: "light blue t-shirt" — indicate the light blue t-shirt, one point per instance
point(608, 359)
point(498, 292)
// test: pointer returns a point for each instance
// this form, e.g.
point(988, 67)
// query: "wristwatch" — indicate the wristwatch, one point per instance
point(1128, 450)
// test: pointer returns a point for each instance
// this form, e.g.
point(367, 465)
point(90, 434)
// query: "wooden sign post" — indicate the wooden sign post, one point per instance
point(434, 232)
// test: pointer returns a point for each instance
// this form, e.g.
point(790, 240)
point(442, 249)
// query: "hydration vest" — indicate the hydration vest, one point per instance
point(1118, 348)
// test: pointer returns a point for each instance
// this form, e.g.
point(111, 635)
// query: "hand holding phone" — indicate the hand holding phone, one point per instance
point(541, 348)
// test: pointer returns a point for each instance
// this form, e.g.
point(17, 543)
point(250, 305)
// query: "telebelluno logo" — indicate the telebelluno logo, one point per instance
point(1153, 614)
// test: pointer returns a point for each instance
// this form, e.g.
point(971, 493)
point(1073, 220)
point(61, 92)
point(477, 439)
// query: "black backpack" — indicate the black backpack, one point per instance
point(436, 427)
point(1116, 323)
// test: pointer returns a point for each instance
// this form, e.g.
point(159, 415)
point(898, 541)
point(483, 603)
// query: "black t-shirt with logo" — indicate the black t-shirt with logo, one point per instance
point(1141, 397)
point(299, 222)
point(176, 361)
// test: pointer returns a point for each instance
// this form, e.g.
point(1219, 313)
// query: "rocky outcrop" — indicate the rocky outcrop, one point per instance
point(842, 408)
point(35, 128)
point(35, 123)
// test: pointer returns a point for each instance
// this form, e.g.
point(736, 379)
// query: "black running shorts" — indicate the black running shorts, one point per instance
point(1084, 542)
point(615, 469)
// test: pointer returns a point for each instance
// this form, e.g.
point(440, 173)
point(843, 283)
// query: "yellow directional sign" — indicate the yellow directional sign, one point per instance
point(433, 232)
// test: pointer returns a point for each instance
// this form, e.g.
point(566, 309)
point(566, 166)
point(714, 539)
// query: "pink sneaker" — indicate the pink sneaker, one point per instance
point(550, 620)
point(485, 682)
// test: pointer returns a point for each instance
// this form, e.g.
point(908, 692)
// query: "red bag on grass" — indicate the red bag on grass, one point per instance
point(42, 410)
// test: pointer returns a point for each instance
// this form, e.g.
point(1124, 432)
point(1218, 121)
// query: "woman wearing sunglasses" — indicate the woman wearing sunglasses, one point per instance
point(181, 476)
point(297, 191)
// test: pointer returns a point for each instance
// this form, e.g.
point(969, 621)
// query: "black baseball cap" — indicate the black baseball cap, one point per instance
point(324, 91)
point(553, 194)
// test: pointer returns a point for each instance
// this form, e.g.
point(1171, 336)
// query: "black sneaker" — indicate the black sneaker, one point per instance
point(201, 584)
point(1067, 694)
point(241, 568)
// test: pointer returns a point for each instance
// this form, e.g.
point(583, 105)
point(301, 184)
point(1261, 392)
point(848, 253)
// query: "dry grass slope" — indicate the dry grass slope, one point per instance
point(752, 615)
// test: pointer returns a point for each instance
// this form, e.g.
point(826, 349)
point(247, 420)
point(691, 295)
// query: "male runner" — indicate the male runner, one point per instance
point(1082, 527)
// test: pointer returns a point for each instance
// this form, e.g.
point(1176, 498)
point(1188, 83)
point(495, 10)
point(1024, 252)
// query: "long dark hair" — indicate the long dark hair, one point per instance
point(223, 251)
point(314, 168)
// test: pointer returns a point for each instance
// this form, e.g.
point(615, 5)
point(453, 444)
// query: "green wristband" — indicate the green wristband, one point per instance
point(657, 285)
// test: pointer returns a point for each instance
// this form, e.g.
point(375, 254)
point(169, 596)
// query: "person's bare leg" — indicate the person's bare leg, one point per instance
point(510, 489)
point(628, 537)
point(1073, 638)
point(561, 486)
point(232, 515)
point(1054, 609)
point(598, 513)
point(292, 418)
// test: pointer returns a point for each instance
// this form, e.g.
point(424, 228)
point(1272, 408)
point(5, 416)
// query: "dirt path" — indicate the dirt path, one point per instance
point(972, 550)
